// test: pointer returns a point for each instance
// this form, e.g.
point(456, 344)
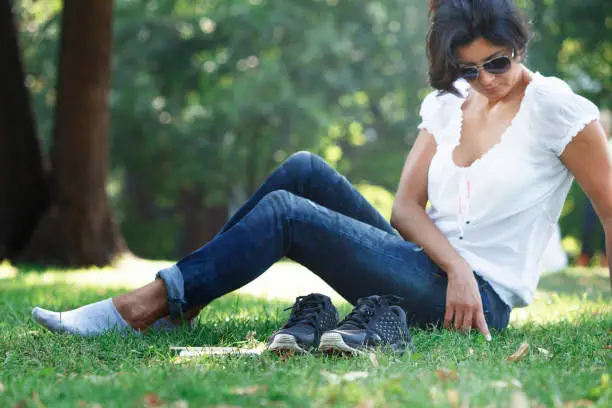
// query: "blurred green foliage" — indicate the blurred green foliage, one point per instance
point(208, 97)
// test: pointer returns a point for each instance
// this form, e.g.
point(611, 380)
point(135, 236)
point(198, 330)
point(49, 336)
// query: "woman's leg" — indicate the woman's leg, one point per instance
point(353, 257)
point(308, 175)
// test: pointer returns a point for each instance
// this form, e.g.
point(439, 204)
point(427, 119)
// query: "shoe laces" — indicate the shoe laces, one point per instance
point(366, 308)
point(305, 310)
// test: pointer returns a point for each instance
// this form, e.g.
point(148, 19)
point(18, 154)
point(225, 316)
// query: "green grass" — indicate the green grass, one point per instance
point(571, 319)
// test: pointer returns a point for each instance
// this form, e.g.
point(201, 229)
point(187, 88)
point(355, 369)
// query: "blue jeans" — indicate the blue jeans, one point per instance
point(593, 237)
point(308, 212)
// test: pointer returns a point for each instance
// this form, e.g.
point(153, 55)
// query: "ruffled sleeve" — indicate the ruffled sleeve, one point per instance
point(441, 113)
point(560, 114)
point(430, 113)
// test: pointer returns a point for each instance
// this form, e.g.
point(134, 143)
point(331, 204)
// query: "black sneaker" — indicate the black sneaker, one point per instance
point(375, 321)
point(310, 316)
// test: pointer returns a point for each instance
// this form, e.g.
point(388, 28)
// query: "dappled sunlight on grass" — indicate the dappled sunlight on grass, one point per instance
point(567, 296)
point(7, 271)
point(128, 272)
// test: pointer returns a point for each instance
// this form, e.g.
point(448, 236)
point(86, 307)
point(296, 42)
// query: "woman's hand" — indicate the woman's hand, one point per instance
point(463, 303)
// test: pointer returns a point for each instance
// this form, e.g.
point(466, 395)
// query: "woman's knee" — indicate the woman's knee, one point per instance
point(304, 162)
point(279, 201)
point(286, 205)
point(299, 161)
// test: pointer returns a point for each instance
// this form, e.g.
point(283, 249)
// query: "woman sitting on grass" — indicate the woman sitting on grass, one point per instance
point(498, 148)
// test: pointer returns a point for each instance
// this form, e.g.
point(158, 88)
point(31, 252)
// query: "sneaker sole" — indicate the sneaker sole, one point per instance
point(283, 343)
point(334, 343)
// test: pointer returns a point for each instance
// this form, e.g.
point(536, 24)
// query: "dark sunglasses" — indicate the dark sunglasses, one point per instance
point(495, 66)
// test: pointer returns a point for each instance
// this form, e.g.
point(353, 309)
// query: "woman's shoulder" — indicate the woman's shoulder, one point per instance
point(554, 96)
point(439, 110)
point(437, 100)
point(557, 112)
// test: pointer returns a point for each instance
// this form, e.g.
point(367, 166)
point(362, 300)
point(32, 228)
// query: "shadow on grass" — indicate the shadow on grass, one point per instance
point(576, 282)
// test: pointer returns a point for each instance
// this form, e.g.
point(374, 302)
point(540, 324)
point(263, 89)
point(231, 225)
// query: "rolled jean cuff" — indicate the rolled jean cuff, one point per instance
point(173, 278)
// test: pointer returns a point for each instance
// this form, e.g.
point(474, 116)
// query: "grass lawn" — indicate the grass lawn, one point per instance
point(568, 329)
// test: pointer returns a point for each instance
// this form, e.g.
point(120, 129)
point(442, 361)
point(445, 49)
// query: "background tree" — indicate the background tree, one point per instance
point(77, 227)
point(23, 180)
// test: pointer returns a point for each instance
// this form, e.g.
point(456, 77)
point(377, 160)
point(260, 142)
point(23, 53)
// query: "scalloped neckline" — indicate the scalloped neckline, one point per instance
point(504, 133)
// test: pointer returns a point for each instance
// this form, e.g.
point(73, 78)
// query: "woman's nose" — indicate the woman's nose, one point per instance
point(485, 78)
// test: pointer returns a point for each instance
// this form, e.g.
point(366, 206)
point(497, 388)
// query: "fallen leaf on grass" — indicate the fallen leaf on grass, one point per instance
point(152, 400)
point(519, 354)
point(373, 359)
point(519, 400)
point(470, 351)
point(250, 390)
point(444, 374)
point(608, 347)
point(348, 377)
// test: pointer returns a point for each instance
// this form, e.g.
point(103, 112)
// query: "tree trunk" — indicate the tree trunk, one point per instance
point(79, 229)
point(23, 180)
point(200, 222)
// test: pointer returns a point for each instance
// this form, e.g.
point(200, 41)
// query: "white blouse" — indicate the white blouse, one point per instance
point(499, 213)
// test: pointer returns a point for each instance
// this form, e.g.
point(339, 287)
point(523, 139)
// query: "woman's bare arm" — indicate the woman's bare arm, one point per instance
point(409, 216)
point(463, 303)
point(588, 158)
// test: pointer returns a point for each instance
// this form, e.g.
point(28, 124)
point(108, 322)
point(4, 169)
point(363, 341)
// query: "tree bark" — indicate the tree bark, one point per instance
point(200, 222)
point(79, 229)
point(23, 180)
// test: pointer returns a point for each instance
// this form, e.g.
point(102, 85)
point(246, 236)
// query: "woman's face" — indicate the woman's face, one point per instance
point(493, 86)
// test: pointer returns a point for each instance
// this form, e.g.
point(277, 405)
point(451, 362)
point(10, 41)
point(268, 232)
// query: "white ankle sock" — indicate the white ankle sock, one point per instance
point(89, 320)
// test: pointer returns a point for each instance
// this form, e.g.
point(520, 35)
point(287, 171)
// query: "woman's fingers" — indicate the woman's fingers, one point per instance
point(481, 324)
point(448, 316)
point(468, 318)
point(459, 314)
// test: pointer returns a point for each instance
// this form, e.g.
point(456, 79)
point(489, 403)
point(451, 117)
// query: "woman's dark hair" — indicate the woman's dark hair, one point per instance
point(456, 23)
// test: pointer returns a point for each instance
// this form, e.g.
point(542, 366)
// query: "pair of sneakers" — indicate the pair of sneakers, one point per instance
point(375, 322)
